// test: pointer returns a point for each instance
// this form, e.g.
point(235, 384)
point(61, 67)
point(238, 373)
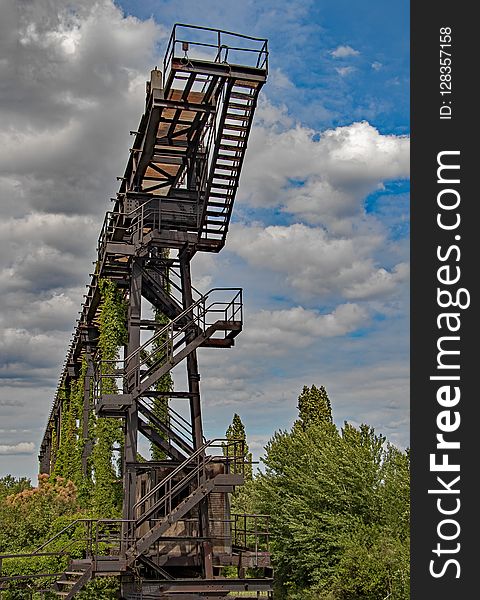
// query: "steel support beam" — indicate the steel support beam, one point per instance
point(195, 407)
point(131, 418)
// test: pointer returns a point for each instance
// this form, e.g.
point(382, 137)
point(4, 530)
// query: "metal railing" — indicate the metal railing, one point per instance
point(160, 500)
point(172, 281)
point(215, 47)
point(112, 224)
point(173, 420)
point(162, 347)
point(150, 216)
point(80, 539)
point(251, 531)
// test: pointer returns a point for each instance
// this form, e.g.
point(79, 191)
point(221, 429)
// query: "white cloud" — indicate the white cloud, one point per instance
point(20, 448)
point(283, 331)
point(376, 66)
point(278, 79)
point(72, 81)
point(342, 164)
point(65, 86)
point(344, 71)
point(379, 283)
point(22, 352)
point(316, 264)
point(344, 52)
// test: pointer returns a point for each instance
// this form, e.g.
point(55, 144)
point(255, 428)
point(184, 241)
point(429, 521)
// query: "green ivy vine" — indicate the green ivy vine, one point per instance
point(107, 490)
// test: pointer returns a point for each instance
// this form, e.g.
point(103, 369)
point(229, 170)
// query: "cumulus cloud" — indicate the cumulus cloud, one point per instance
point(24, 354)
point(20, 448)
point(281, 331)
point(72, 80)
point(344, 52)
point(45, 252)
point(300, 170)
point(69, 76)
point(344, 71)
point(315, 263)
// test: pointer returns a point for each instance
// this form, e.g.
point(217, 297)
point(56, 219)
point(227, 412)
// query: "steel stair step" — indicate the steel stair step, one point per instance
point(241, 95)
point(246, 83)
point(227, 177)
point(234, 127)
point(227, 137)
point(222, 156)
point(220, 221)
point(234, 117)
point(239, 105)
point(226, 167)
point(222, 167)
point(234, 138)
point(219, 212)
point(223, 187)
point(214, 194)
point(218, 204)
point(218, 343)
point(216, 213)
point(209, 230)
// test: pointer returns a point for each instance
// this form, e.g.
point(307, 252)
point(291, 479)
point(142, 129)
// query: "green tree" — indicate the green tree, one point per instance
point(68, 462)
point(236, 433)
point(338, 500)
point(314, 406)
point(30, 516)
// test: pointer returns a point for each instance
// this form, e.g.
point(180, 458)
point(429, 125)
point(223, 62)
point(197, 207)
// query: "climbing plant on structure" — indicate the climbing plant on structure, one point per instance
point(107, 493)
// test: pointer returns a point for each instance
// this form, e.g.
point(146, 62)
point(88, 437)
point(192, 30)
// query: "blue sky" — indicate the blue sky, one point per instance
point(319, 239)
point(302, 36)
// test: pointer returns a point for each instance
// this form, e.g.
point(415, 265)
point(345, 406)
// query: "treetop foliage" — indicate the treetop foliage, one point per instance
point(314, 406)
point(236, 432)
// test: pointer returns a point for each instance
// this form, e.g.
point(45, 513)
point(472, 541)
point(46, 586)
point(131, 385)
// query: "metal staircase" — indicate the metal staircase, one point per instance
point(166, 503)
point(211, 321)
point(71, 582)
point(172, 434)
point(229, 152)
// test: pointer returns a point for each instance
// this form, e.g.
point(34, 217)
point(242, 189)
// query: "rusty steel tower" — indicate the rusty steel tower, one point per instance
point(177, 533)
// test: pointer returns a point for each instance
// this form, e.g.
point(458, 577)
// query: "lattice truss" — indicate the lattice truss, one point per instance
point(175, 199)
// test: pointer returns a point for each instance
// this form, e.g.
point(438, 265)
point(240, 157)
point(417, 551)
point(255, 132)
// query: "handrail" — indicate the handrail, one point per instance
point(181, 315)
point(169, 338)
point(198, 319)
point(91, 538)
point(172, 489)
point(241, 35)
point(175, 472)
point(164, 329)
point(66, 528)
point(262, 50)
point(175, 421)
point(185, 463)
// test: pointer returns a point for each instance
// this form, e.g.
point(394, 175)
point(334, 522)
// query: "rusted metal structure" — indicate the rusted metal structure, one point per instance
point(175, 200)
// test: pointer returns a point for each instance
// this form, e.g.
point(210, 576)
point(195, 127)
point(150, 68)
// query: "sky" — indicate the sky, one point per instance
point(320, 234)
